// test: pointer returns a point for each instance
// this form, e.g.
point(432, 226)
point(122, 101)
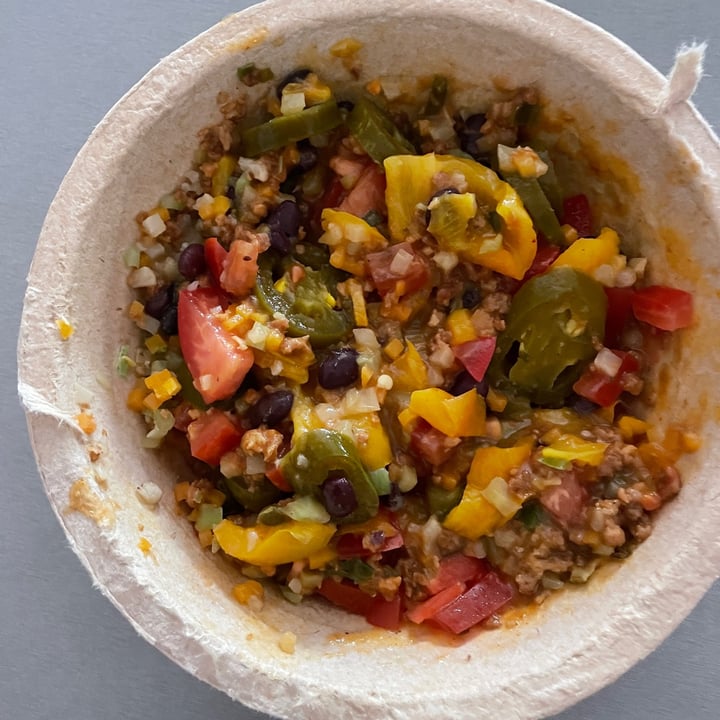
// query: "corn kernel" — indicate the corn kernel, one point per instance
point(64, 328)
point(164, 384)
point(631, 426)
point(345, 47)
point(86, 422)
point(394, 349)
point(144, 546)
point(459, 323)
point(161, 211)
point(496, 401)
point(249, 589)
point(273, 341)
point(136, 396)
point(374, 87)
point(156, 344)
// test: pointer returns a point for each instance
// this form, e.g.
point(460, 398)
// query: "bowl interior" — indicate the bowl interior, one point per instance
point(644, 173)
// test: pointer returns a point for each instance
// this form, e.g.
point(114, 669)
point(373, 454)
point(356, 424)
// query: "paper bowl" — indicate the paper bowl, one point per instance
point(630, 140)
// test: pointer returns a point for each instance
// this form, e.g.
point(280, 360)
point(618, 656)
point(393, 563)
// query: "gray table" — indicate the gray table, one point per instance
point(65, 652)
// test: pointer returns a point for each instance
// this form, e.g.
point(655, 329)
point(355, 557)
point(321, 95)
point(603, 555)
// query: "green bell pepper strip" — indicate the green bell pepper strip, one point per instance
point(252, 496)
point(318, 453)
point(441, 501)
point(436, 98)
point(538, 207)
point(281, 131)
point(304, 304)
point(374, 129)
point(551, 327)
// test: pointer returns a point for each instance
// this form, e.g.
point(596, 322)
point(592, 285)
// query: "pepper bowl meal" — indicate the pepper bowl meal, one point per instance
point(377, 381)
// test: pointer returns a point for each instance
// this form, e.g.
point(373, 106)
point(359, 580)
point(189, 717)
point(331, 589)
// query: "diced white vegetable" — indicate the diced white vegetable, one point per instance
point(149, 492)
point(142, 277)
point(608, 362)
point(154, 225)
point(499, 494)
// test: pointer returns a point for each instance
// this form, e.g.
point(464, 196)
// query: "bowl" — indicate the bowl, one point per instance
point(629, 138)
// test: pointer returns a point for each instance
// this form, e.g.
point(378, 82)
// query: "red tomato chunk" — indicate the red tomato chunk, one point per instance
point(215, 360)
point(475, 605)
point(663, 307)
point(476, 355)
point(399, 269)
point(212, 435)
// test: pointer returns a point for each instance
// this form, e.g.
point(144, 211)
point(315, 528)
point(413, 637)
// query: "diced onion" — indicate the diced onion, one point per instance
point(142, 277)
point(360, 402)
point(292, 102)
point(499, 494)
point(154, 225)
point(582, 574)
point(306, 509)
point(445, 260)
point(408, 478)
point(608, 362)
point(254, 168)
point(254, 464)
point(550, 581)
point(365, 339)
point(401, 262)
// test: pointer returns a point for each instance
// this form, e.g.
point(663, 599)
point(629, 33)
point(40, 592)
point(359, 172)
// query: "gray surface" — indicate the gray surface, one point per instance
point(64, 650)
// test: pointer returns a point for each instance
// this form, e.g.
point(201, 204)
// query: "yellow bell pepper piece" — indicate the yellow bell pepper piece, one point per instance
point(303, 415)
point(350, 238)
point(461, 416)
point(273, 545)
point(322, 558)
point(410, 182)
point(475, 516)
point(459, 323)
point(136, 397)
point(588, 254)
point(221, 177)
point(409, 371)
point(573, 448)
point(375, 452)
point(164, 385)
point(630, 427)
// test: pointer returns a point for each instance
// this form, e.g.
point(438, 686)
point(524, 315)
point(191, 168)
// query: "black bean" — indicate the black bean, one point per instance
point(284, 224)
point(191, 262)
point(469, 134)
point(159, 303)
point(464, 381)
point(472, 297)
point(338, 369)
point(395, 500)
point(444, 191)
point(339, 496)
point(271, 409)
point(296, 76)
point(169, 321)
point(308, 156)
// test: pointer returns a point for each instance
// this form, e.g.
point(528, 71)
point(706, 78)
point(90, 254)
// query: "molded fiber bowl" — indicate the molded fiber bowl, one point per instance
point(649, 163)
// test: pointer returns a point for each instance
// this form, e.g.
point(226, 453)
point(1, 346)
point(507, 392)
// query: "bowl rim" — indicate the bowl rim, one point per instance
point(266, 15)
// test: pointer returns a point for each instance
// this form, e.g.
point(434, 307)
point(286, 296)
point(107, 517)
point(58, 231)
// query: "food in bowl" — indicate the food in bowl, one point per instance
point(403, 359)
